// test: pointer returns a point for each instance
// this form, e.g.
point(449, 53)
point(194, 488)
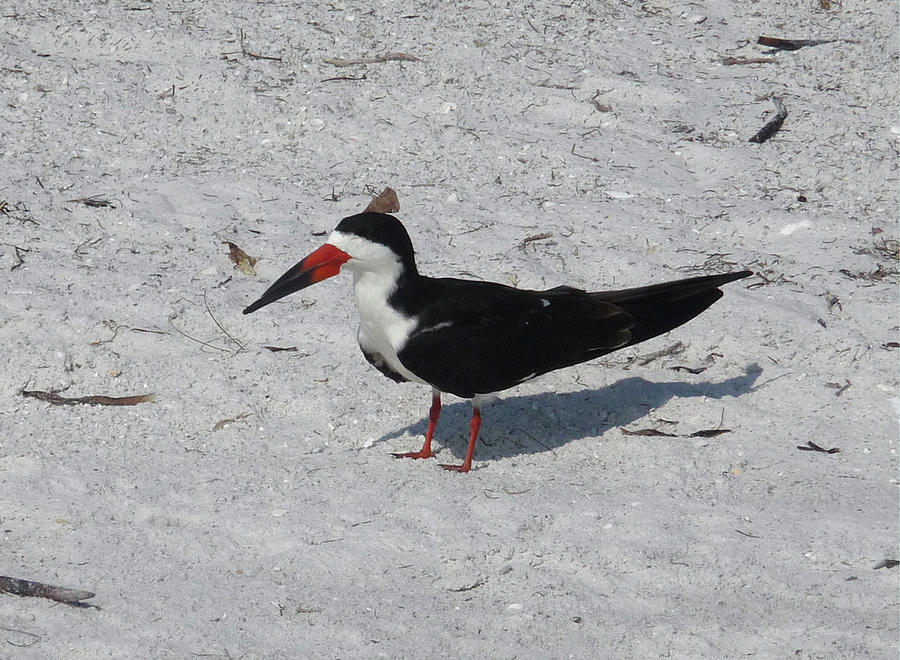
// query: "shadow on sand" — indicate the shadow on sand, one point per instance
point(535, 423)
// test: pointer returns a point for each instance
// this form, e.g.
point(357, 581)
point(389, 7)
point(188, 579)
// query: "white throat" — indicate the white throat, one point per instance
point(376, 272)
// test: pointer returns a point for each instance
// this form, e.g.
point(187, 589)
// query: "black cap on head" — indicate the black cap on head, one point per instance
point(384, 229)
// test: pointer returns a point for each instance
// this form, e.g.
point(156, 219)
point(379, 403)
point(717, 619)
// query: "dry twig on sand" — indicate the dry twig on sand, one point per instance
point(543, 236)
point(255, 56)
point(94, 201)
point(388, 57)
point(731, 61)
point(812, 446)
point(94, 400)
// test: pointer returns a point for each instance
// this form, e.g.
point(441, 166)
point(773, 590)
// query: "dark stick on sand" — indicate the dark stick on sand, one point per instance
point(40, 590)
point(791, 44)
point(774, 125)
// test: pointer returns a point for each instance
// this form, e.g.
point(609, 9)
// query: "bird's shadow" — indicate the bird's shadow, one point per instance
point(543, 422)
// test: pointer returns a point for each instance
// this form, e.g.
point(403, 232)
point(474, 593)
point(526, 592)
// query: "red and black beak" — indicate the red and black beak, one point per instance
point(320, 265)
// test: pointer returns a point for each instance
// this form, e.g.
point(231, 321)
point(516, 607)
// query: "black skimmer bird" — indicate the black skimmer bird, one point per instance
point(472, 338)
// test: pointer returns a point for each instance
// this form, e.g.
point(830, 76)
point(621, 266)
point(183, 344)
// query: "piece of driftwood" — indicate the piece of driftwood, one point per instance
point(19, 587)
point(773, 125)
point(95, 400)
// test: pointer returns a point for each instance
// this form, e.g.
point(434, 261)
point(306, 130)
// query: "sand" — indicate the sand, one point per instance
point(253, 509)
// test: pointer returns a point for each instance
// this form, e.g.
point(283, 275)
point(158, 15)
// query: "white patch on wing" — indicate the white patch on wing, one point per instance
point(545, 302)
point(433, 328)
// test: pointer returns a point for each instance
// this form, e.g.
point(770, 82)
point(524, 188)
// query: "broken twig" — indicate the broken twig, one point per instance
point(344, 78)
point(675, 349)
point(219, 325)
point(812, 446)
point(94, 201)
point(543, 236)
point(95, 400)
point(255, 56)
point(222, 423)
point(388, 57)
point(18, 253)
point(731, 61)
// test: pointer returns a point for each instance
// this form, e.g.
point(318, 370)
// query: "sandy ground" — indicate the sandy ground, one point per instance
point(253, 509)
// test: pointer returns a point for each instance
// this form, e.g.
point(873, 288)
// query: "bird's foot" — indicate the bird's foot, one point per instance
point(422, 453)
point(465, 467)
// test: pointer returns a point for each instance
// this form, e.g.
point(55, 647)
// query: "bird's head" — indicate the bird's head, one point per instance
point(367, 242)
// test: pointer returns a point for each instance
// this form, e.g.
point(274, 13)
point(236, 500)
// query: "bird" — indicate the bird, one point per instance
point(473, 338)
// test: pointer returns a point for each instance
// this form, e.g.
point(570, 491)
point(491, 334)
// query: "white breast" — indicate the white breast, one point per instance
point(376, 270)
point(382, 329)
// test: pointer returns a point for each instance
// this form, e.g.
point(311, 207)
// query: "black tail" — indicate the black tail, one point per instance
point(661, 307)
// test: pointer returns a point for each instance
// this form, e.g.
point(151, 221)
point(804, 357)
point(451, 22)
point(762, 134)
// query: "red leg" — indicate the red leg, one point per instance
point(433, 416)
point(474, 426)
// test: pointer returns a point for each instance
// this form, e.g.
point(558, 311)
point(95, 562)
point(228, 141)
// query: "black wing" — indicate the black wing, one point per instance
point(477, 337)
